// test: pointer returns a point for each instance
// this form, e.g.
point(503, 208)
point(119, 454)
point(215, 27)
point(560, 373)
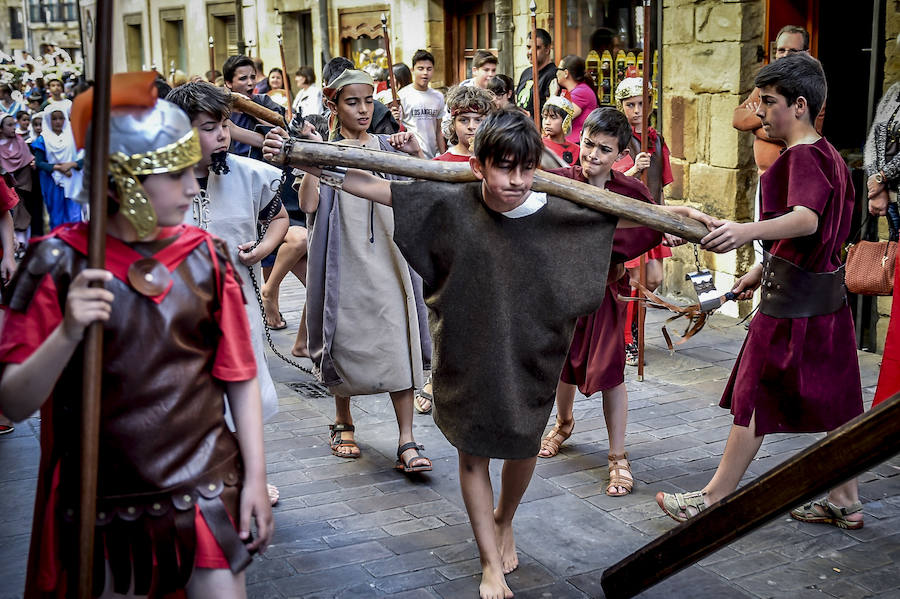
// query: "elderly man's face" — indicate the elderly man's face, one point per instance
point(789, 43)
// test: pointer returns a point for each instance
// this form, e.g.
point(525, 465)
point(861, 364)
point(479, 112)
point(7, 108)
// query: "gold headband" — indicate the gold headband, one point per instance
point(125, 170)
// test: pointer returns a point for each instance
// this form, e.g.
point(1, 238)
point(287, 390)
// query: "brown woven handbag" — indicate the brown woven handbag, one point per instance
point(870, 267)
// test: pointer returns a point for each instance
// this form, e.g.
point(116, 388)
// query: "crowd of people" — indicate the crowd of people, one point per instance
point(411, 287)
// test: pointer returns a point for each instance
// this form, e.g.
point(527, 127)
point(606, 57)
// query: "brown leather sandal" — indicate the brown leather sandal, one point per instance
point(550, 443)
point(615, 475)
point(337, 441)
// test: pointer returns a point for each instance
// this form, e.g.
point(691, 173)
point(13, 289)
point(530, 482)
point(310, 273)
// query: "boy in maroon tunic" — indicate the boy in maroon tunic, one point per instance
point(596, 360)
point(797, 370)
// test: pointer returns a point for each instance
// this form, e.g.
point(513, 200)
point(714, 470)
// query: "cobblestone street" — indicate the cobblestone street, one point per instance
point(358, 528)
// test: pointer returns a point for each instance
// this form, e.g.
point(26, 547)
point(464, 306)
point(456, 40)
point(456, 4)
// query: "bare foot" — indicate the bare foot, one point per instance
point(506, 544)
point(493, 585)
point(270, 305)
point(300, 350)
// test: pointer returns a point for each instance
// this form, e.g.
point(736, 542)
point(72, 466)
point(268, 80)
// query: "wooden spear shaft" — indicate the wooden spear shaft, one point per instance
point(390, 62)
point(284, 78)
point(645, 123)
point(244, 104)
point(320, 153)
point(535, 79)
point(212, 55)
point(93, 344)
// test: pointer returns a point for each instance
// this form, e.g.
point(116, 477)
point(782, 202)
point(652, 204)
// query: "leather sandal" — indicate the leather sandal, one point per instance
point(337, 442)
point(550, 442)
point(616, 479)
point(424, 395)
point(422, 464)
point(828, 513)
point(676, 505)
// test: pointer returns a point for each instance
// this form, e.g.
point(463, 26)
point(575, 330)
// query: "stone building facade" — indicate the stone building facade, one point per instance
point(711, 52)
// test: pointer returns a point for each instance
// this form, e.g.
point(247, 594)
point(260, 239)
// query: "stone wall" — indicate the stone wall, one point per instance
point(891, 49)
point(709, 62)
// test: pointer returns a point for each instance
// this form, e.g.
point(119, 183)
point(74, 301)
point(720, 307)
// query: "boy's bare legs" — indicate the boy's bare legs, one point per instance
point(403, 409)
point(287, 258)
point(301, 349)
point(615, 412)
point(342, 416)
point(740, 449)
point(565, 419)
point(475, 484)
point(513, 483)
point(219, 583)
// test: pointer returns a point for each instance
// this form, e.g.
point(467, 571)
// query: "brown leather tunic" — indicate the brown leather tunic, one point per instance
point(164, 444)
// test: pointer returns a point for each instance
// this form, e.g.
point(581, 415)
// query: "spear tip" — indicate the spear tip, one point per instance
point(383, 20)
point(533, 7)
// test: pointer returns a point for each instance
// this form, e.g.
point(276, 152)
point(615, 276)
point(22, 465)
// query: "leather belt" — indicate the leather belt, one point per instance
point(788, 291)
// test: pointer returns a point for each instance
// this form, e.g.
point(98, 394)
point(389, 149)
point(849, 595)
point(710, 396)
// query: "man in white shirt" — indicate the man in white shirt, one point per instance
point(424, 107)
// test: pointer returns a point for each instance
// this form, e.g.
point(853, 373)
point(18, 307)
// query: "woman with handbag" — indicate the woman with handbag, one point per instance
point(882, 162)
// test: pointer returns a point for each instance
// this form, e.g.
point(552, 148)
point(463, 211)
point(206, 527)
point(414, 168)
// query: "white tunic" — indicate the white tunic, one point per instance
point(229, 209)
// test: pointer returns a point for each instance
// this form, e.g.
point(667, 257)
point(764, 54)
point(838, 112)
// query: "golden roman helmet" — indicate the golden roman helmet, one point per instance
point(147, 136)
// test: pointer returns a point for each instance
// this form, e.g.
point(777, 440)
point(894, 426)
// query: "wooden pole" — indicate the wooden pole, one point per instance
point(535, 79)
point(865, 441)
point(212, 55)
point(387, 52)
point(93, 344)
point(558, 44)
point(242, 103)
point(321, 153)
point(239, 26)
point(645, 122)
point(284, 78)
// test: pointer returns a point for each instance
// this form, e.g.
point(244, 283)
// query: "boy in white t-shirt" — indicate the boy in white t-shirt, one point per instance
point(423, 107)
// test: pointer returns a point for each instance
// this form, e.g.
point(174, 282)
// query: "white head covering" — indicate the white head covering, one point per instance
point(61, 148)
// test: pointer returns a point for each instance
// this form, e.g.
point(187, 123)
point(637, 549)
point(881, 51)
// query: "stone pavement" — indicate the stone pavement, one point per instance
point(357, 528)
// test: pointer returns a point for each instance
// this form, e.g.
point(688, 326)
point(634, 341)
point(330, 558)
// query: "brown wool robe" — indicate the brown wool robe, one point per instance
point(503, 295)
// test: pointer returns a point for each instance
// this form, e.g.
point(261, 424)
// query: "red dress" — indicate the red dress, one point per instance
point(596, 358)
point(448, 157)
point(664, 174)
point(801, 374)
point(889, 377)
point(24, 330)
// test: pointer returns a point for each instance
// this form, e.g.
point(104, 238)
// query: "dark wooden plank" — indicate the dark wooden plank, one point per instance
point(858, 445)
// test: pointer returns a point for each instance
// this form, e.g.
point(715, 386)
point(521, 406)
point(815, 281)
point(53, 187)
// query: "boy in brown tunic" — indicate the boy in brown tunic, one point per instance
point(507, 272)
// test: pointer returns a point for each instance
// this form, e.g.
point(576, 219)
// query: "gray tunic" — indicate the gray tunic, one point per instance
point(503, 295)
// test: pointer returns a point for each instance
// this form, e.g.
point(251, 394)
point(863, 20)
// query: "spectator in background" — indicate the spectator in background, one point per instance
point(484, 67)
point(240, 76)
point(580, 89)
point(502, 88)
point(262, 83)
point(57, 95)
point(7, 104)
point(422, 108)
point(60, 166)
point(792, 39)
point(309, 96)
point(212, 75)
point(276, 87)
point(546, 73)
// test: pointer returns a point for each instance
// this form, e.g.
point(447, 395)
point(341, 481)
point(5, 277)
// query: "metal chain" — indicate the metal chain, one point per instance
point(274, 209)
point(696, 257)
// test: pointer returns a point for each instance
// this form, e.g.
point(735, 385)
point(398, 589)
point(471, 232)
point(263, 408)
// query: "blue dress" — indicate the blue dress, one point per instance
point(59, 209)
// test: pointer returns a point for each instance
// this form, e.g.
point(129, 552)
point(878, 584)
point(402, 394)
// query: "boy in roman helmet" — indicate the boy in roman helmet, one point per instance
point(176, 490)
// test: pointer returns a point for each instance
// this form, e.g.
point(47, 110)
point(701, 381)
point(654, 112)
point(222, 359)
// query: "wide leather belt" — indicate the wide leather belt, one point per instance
point(788, 291)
